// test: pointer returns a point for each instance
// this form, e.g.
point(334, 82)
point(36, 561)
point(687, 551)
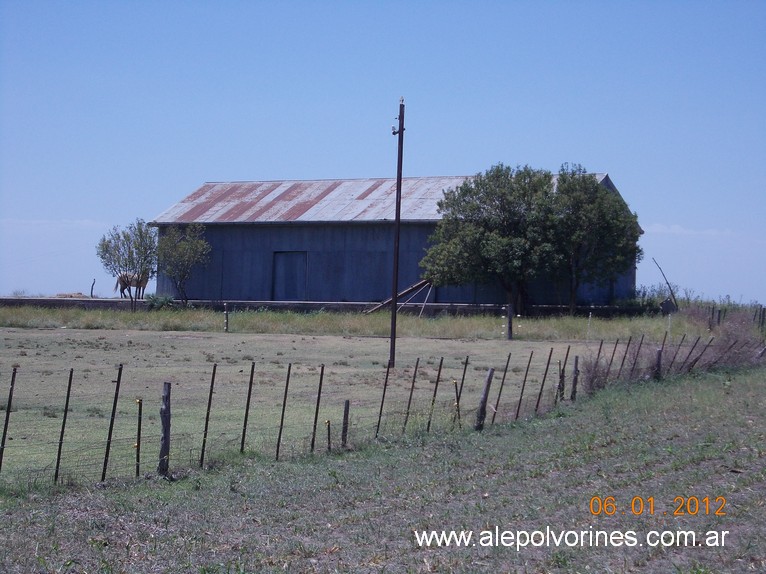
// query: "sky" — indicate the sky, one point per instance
point(111, 111)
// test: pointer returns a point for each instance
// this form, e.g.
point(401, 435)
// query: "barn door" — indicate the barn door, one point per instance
point(290, 276)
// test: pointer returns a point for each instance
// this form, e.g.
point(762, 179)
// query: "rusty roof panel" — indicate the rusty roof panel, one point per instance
point(340, 200)
point(315, 200)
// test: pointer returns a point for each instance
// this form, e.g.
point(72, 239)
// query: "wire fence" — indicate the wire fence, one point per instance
point(88, 433)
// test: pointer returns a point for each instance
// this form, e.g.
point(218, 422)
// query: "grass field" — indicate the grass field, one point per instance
point(356, 510)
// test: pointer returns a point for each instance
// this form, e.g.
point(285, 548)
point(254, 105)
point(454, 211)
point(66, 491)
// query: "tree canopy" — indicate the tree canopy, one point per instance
point(130, 253)
point(514, 226)
point(493, 227)
point(596, 234)
point(180, 249)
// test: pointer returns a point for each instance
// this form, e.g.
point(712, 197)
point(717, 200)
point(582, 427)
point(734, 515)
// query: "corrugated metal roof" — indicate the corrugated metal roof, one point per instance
point(312, 201)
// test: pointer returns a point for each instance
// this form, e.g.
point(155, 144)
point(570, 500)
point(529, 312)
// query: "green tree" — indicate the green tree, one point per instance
point(595, 233)
point(494, 227)
point(131, 255)
point(180, 249)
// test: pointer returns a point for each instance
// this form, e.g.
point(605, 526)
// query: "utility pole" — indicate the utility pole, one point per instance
point(397, 229)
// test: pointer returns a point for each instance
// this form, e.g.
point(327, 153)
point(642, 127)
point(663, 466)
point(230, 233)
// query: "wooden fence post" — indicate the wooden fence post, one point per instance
point(562, 376)
point(140, 404)
point(164, 462)
point(111, 423)
point(482, 412)
point(284, 405)
point(638, 356)
point(382, 401)
point(247, 406)
point(658, 366)
point(575, 378)
point(523, 384)
point(433, 399)
point(63, 426)
point(8, 407)
point(673, 360)
point(316, 410)
point(500, 392)
point(409, 401)
point(542, 385)
point(207, 417)
point(344, 428)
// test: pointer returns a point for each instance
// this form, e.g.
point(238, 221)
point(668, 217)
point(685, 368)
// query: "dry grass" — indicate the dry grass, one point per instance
point(355, 511)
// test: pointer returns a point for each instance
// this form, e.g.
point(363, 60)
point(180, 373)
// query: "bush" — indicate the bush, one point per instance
point(157, 302)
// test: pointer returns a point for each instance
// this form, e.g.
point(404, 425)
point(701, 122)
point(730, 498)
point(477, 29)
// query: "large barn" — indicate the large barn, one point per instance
point(330, 240)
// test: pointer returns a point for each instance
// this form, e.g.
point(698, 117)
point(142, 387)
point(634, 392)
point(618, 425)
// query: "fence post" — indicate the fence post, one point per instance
point(638, 356)
point(458, 394)
point(523, 384)
point(247, 406)
point(207, 417)
point(7, 416)
point(225, 317)
point(164, 462)
point(111, 423)
point(140, 404)
point(575, 378)
point(542, 385)
point(329, 440)
point(500, 392)
point(562, 376)
point(482, 412)
point(609, 368)
point(409, 401)
point(673, 360)
point(316, 410)
point(382, 400)
point(344, 428)
point(694, 346)
point(433, 399)
point(63, 426)
point(658, 366)
point(509, 332)
point(284, 405)
point(624, 356)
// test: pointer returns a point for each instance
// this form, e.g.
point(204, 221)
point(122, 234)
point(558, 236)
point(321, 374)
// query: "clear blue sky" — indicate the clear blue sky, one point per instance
point(112, 111)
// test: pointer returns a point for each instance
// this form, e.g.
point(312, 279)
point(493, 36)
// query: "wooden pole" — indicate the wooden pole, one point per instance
point(344, 428)
point(316, 410)
point(458, 394)
point(624, 356)
point(8, 407)
point(382, 400)
point(611, 360)
point(433, 399)
point(164, 463)
point(207, 417)
point(284, 405)
point(409, 401)
point(542, 385)
point(397, 232)
point(63, 426)
point(562, 376)
point(111, 423)
point(481, 414)
point(500, 392)
point(575, 378)
point(247, 406)
point(523, 384)
point(638, 355)
point(673, 360)
point(140, 404)
point(681, 368)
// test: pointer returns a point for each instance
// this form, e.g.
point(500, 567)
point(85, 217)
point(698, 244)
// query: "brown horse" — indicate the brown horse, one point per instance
point(128, 280)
